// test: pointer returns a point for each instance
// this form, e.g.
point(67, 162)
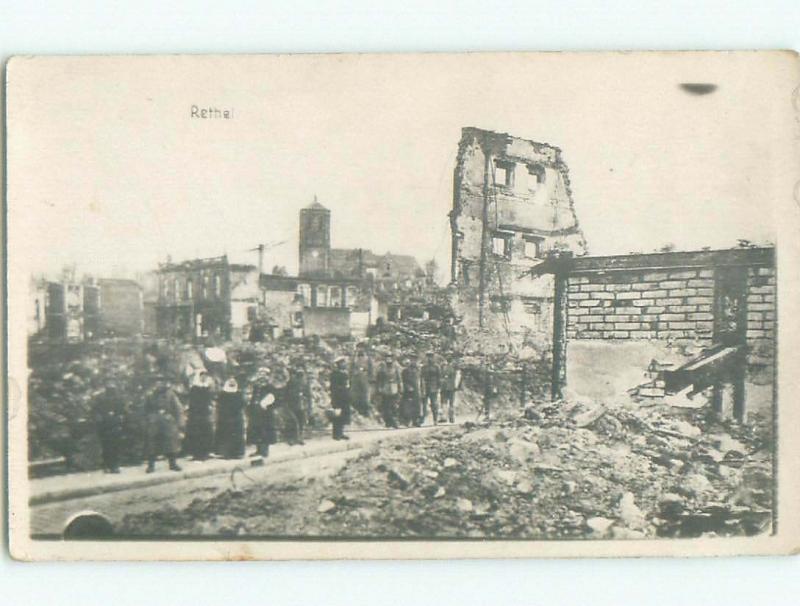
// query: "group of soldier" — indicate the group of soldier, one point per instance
point(222, 421)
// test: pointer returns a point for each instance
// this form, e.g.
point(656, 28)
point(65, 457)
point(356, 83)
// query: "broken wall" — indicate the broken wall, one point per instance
point(511, 205)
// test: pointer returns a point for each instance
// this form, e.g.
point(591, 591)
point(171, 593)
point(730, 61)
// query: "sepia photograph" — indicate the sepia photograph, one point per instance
point(402, 305)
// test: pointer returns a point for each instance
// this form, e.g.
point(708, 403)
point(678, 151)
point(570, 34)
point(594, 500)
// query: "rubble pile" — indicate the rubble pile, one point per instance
point(563, 470)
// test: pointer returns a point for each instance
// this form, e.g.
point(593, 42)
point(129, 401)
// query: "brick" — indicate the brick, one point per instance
point(769, 298)
point(627, 326)
point(656, 275)
point(701, 316)
point(682, 275)
point(700, 283)
point(681, 325)
point(681, 308)
point(672, 317)
point(765, 271)
point(672, 301)
point(644, 286)
point(768, 324)
point(643, 302)
point(618, 318)
point(705, 292)
point(627, 296)
point(598, 310)
point(755, 324)
point(589, 303)
point(705, 273)
point(618, 287)
point(683, 292)
point(572, 288)
point(704, 325)
point(620, 334)
point(769, 315)
point(755, 299)
point(762, 290)
point(643, 334)
point(700, 301)
point(598, 326)
point(668, 284)
point(654, 294)
point(755, 334)
point(755, 315)
point(590, 334)
point(606, 296)
point(578, 296)
point(591, 287)
point(657, 309)
point(761, 307)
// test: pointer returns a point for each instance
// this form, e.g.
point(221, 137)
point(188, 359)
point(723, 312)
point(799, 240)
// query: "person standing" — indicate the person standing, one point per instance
point(451, 383)
point(296, 398)
point(199, 425)
point(360, 376)
point(340, 399)
point(387, 384)
point(109, 418)
point(263, 425)
point(411, 406)
point(431, 378)
point(164, 422)
point(489, 379)
point(230, 421)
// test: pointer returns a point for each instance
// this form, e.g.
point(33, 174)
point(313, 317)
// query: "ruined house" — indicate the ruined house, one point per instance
point(512, 205)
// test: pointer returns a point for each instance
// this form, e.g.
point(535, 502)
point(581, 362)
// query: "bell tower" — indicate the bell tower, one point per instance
point(315, 239)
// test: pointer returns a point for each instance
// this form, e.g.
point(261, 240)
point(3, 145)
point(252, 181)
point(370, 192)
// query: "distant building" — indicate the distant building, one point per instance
point(72, 311)
point(203, 298)
point(121, 307)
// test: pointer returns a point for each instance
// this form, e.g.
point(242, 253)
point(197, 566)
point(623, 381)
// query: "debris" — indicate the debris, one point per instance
point(464, 505)
point(599, 525)
point(326, 506)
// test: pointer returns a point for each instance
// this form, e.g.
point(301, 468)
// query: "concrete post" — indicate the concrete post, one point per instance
point(559, 374)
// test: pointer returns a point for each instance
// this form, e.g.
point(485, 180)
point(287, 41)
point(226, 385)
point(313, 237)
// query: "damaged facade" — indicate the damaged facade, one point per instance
point(511, 205)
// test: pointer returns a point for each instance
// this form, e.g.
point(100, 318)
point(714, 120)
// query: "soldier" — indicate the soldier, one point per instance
point(108, 418)
point(164, 424)
point(230, 421)
point(489, 388)
point(411, 406)
point(388, 382)
point(431, 384)
point(262, 412)
point(451, 383)
point(340, 399)
point(296, 397)
point(360, 376)
point(199, 426)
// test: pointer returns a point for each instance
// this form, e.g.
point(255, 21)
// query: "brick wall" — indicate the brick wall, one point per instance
point(673, 303)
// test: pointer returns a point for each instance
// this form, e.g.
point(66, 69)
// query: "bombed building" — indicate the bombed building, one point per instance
point(511, 205)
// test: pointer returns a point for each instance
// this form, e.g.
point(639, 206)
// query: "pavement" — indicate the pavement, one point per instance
point(67, 487)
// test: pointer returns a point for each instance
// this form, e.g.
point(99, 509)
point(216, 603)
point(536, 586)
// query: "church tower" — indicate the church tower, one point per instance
point(315, 240)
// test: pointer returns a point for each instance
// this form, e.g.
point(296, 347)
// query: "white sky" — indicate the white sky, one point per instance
point(107, 170)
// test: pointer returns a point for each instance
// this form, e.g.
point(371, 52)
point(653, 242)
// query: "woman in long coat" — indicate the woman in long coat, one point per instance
point(261, 413)
point(230, 421)
point(199, 425)
point(164, 423)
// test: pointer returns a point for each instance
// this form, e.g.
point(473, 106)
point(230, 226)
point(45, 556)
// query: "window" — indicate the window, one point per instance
point(533, 248)
point(304, 290)
point(178, 292)
point(501, 245)
point(322, 296)
point(504, 173)
point(336, 296)
point(352, 296)
point(535, 176)
point(217, 285)
point(189, 289)
point(206, 282)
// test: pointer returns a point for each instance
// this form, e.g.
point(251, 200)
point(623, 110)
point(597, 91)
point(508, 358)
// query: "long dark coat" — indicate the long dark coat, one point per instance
point(340, 395)
point(412, 402)
point(230, 424)
point(263, 424)
point(199, 425)
point(164, 422)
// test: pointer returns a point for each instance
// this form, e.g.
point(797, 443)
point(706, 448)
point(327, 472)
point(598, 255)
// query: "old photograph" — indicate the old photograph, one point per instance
point(443, 305)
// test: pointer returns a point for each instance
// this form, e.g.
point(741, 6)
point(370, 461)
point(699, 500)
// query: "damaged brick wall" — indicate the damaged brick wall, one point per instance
point(650, 301)
point(511, 205)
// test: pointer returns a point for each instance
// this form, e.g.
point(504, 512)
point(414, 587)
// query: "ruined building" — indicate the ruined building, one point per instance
point(511, 206)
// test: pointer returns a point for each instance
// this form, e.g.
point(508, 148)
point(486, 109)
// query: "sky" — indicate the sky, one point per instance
point(108, 170)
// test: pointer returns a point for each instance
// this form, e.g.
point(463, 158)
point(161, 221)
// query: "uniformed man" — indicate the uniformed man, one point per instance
point(296, 398)
point(340, 399)
point(387, 384)
point(431, 379)
point(411, 405)
point(261, 412)
point(451, 383)
point(109, 421)
point(164, 424)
